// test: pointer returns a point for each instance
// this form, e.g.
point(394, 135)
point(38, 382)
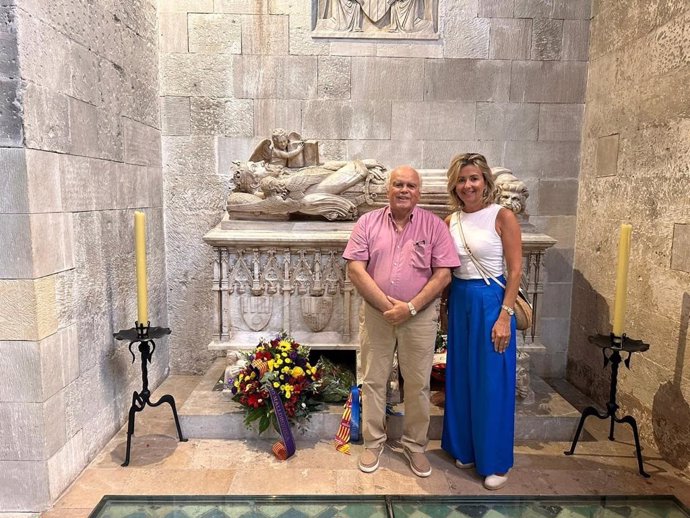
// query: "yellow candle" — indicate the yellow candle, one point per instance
point(621, 279)
point(140, 253)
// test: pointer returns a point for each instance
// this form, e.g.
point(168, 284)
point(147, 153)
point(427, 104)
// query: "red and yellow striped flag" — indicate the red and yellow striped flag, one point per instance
point(342, 438)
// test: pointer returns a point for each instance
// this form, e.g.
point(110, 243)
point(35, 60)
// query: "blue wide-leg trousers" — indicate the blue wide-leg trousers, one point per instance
point(479, 416)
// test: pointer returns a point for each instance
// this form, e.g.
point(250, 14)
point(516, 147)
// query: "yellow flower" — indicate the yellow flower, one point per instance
point(278, 362)
point(276, 384)
point(298, 372)
point(271, 364)
point(285, 369)
point(252, 375)
point(288, 360)
point(284, 345)
point(284, 354)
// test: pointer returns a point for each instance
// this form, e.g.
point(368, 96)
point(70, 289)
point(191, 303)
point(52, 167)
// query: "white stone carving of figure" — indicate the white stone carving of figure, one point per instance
point(236, 362)
point(345, 15)
point(512, 192)
point(312, 190)
point(408, 16)
point(279, 149)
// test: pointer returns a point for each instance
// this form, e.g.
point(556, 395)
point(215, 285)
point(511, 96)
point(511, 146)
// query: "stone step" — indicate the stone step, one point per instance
point(211, 414)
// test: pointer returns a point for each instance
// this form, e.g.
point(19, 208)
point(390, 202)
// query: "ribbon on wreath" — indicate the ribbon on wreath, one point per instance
point(349, 423)
point(284, 449)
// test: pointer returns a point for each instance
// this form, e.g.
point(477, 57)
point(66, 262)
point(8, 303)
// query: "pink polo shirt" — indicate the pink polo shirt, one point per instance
point(401, 262)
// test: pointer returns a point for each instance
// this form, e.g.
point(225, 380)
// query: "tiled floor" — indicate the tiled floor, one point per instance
point(160, 465)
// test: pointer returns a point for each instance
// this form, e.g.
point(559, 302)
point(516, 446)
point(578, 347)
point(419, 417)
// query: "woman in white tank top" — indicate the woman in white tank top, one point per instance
point(478, 427)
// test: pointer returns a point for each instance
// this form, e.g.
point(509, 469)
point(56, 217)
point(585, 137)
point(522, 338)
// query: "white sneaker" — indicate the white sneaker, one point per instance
point(494, 482)
point(463, 465)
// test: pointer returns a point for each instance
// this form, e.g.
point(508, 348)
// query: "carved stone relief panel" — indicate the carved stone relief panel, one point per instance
point(304, 291)
point(378, 19)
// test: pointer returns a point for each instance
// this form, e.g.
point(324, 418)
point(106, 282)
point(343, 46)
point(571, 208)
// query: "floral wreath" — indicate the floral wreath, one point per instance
point(287, 370)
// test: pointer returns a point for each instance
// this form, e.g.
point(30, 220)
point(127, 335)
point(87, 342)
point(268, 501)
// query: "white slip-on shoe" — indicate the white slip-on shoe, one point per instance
point(494, 482)
point(463, 465)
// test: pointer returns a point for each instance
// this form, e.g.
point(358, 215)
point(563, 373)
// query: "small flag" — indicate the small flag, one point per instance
point(342, 438)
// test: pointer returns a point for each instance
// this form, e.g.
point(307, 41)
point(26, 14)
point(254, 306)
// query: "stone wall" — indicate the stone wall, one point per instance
point(506, 78)
point(79, 151)
point(635, 156)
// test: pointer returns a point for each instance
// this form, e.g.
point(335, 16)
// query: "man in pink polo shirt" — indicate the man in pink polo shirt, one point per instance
point(399, 259)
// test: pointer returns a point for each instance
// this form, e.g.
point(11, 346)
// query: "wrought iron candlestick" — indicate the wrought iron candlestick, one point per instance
point(144, 335)
point(616, 345)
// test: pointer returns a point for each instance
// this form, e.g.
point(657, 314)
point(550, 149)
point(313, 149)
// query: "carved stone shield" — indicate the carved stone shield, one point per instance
point(316, 311)
point(375, 9)
point(256, 311)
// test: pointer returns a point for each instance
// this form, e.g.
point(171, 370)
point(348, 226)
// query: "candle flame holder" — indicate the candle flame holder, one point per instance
point(144, 334)
point(615, 344)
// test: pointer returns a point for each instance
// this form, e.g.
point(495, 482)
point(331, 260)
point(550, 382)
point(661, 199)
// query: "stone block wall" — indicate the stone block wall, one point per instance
point(635, 156)
point(79, 151)
point(506, 78)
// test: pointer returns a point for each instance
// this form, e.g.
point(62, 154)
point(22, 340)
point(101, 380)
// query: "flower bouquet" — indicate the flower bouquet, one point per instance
point(287, 371)
point(335, 381)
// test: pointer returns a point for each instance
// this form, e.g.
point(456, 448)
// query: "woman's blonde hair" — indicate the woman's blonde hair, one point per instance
point(456, 165)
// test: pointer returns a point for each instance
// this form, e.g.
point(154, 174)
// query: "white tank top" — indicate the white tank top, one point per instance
point(486, 245)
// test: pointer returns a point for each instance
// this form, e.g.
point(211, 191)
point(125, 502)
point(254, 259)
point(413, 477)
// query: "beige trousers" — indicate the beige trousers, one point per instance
point(415, 341)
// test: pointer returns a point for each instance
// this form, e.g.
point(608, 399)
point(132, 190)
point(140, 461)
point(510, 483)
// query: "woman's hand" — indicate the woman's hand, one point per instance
point(500, 333)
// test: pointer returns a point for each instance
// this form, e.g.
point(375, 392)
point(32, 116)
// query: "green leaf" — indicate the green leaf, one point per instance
point(253, 414)
point(263, 424)
point(274, 422)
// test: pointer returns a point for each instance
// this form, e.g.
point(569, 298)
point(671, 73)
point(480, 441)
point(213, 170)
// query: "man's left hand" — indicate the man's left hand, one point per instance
point(398, 314)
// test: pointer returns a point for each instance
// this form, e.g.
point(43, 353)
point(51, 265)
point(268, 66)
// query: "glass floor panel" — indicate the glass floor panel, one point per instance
point(389, 507)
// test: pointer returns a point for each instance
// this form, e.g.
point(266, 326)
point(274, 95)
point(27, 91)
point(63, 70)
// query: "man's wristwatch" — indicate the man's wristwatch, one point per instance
point(413, 311)
point(508, 309)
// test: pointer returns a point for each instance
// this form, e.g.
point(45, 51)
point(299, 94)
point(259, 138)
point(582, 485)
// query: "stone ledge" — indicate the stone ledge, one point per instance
point(374, 35)
point(211, 414)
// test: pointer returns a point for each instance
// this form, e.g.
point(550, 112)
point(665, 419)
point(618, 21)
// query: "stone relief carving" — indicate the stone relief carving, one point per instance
point(524, 391)
point(258, 276)
point(316, 311)
point(512, 192)
point(256, 311)
point(402, 19)
point(283, 177)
